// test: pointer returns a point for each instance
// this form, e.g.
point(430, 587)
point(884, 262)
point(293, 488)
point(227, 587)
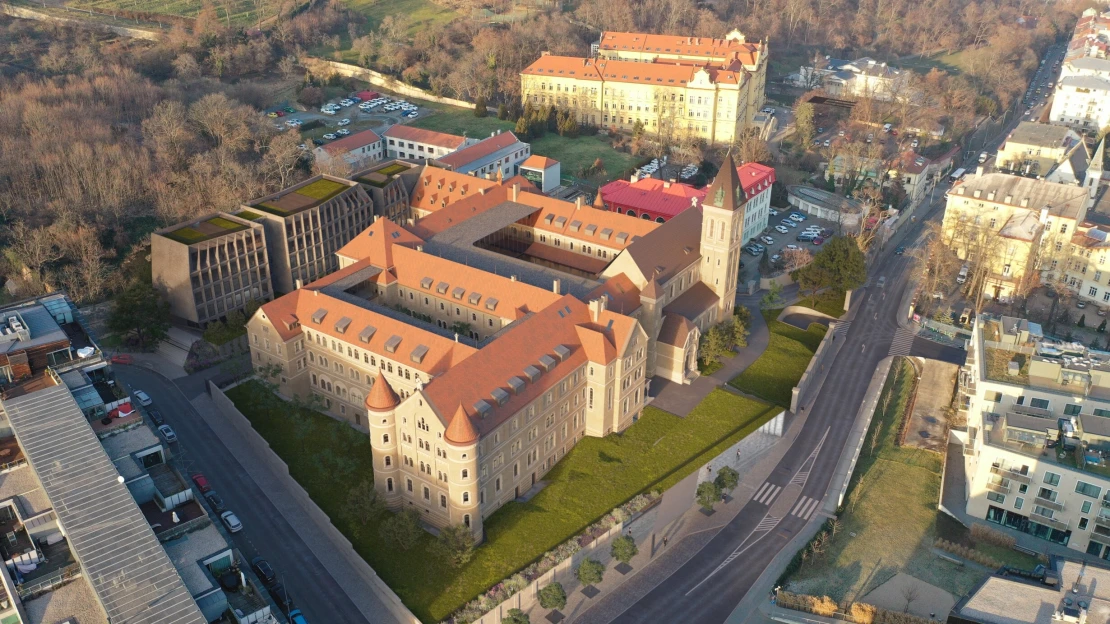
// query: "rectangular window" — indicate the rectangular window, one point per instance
point(1039, 403)
point(1051, 478)
point(1071, 409)
point(994, 397)
point(1042, 511)
point(1087, 489)
point(1018, 502)
point(1047, 494)
point(996, 497)
point(1087, 507)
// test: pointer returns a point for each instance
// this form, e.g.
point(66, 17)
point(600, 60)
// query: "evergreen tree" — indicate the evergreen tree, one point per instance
point(502, 111)
point(522, 130)
point(1082, 321)
point(480, 109)
point(624, 548)
point(1102, 327)
point(553, 596)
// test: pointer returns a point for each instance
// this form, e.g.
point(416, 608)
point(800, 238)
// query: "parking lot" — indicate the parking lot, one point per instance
point(345, 120)
point(776, 243)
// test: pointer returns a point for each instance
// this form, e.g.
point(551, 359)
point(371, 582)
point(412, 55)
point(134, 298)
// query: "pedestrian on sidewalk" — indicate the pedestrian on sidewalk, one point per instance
point(665, 541)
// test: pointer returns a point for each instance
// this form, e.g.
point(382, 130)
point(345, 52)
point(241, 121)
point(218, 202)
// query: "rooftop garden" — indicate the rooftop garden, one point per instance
point(307, 196)
point(248, 215)
point(998, 365)
point(204, 230)
point(393, 169)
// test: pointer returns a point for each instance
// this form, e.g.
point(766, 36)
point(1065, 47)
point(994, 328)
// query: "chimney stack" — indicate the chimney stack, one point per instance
point(597, 306)
point(513, 278)
point(578, 203)
point(979, 171)
point(516, 189)
point(556, 286)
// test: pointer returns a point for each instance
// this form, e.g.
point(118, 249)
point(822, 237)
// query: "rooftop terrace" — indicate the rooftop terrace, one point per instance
point(381, 176)
point(301, 198)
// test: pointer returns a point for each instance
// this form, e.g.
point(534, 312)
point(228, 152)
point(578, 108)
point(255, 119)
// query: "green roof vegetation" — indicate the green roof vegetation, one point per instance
point(248, 215)
point(319, 192)
point(226, 224)
point(204, 230)
point(185, 235)
point(774, 374)
point(322, 189)
point(393, 169)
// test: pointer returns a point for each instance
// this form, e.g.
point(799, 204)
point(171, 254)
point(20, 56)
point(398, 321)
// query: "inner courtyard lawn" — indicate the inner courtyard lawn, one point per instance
point(597, 475)
point(774, 374)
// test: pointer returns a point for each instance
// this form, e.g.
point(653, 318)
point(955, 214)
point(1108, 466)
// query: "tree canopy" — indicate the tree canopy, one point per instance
point(140, 312)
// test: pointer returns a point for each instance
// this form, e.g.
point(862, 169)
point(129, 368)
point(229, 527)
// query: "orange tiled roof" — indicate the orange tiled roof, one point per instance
point(438, 188)
point(461, 431)
point(585, 223)
point(674, 44)
point(427, 137)
point(599, 347)
point(623, 295)
point(381, 397)
point(461, 210)
point(282, 314)
point(536, 161)
point(482, 149)
point(352, 142)
point(521, 346)
point(426, 273)
point(663, 74)
point(376, 242)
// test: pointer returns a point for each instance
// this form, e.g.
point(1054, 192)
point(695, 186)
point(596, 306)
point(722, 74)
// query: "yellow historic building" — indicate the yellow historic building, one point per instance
point(680, 86)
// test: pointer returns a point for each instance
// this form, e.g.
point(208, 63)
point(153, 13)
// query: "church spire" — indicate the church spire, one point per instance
point(726, 191)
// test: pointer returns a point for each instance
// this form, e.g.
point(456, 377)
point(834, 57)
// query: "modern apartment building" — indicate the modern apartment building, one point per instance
point(1038, 440)
point(1022, 227)
point(306, 224)
point(1082, 96)
point(408, 143)
point(208, 267)
point(501, 154)
point(387, 184)
point(479, 344)
point(679, 86)
point(1055, 153)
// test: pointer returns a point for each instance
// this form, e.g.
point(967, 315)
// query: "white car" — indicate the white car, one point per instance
point(767, 239)
point(781, 229)
point(796, 217)
point(792, 247)
point(344, 122)
point(167, 434)
point(329, 137)
point(143, 398)
point(231, 521)
point(915, 143)
point(327, 111)
point(788, 223)
point(343, 132)
point(772, 212)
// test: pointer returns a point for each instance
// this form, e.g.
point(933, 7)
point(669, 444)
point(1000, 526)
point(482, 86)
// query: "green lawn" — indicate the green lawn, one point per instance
point(655, 453)
point(422, 14)
point(892, 512)
point(774, 374)
point(829, 302)
point(574, 154)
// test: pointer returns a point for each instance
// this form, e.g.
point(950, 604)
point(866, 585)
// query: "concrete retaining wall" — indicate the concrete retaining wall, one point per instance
point(25, 13)
point(826, 351)
point(244, 429)
point(325, 67)
point(783, 279)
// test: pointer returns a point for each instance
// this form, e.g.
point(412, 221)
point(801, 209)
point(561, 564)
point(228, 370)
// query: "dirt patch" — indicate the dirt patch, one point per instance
point(906, 594)
point(928, 423)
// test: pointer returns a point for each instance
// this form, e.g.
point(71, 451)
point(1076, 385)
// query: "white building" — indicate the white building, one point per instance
point(1037, 447)
point(864, 77)
point(1082, 96)
point(358, 150)
point(501, 153)
point(408, 143)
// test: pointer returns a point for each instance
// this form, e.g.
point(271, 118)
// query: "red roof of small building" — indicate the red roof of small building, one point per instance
point(427, 137)
point(667, 199)
point(536, 161)
point(353, 142)
point(381, 398)
point(461, 431)
point(481, 149)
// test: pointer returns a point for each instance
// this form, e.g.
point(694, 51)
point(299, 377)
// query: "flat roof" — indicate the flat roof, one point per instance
point(825, 199)
point(123, 560)
point(39, 322)
point(204, 229)
point(303, 196)
point(187, 551)
point(74, 601)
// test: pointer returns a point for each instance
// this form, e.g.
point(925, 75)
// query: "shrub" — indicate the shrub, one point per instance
point(590, 572)
point(553, 596)
point(402, 529)
point(708, 494)
point(984, 533)
point(624, 548)
point(457, 544)
point(311, 96)
point(516, 616)
point(480, 106)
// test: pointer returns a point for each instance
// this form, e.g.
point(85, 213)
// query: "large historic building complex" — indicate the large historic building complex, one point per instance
point(478, 343)
point(693, 86)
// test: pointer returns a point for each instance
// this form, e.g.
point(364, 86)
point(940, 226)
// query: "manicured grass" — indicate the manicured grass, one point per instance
point(422, 14)
point(774, 374)
point(892, 512)
point(655, 453)
point(573, 154)
point(248, 215)
point(322, 189)
point(829, 302)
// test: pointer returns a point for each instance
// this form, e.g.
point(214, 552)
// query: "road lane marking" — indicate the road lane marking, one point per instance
point(767, 493)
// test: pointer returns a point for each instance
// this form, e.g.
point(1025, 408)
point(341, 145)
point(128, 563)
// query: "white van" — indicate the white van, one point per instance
point(887, 127)
point(962, 277)
point(983, 157)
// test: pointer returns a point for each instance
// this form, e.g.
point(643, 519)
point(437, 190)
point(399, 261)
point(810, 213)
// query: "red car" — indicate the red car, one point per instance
point(123, 358)
point(818, 240)
point(202, 483)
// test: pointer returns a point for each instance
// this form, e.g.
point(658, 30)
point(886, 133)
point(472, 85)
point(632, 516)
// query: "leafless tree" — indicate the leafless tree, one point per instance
point(910, 593)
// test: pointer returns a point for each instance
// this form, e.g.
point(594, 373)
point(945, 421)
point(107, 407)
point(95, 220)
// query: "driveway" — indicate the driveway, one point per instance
point(267, 532)
point(934, 396)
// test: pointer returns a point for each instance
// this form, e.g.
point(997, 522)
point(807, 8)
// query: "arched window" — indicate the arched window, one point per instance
point(466, 520)
point(466, 497)
point(631, 213)
point(388, 460)
point(659, 219)
point(385, 438)
point(646, 217)
point(389, 485)
point(465, 473)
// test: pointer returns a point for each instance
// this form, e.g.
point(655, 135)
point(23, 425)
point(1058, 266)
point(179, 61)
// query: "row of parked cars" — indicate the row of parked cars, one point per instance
point(230, 521)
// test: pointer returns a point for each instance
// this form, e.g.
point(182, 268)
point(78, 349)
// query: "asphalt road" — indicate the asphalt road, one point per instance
point(265, 532)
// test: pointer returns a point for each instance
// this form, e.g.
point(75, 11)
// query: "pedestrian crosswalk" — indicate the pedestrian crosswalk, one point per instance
point(766, 493)
point(903, 342)
point(767, 523)
point(805, 507)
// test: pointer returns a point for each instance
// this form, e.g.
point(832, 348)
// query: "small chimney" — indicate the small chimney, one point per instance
point(420, 248)
point(634, 179)
point(578, 203)
point(979, 171)
point(556, 286)
point(492, 134)
point(297, 284)
point(513, 278)
point(597, 306)
point(516, 189)
point(1044, 215)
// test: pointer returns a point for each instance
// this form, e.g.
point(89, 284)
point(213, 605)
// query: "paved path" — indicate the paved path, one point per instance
point(321, 584)
point(928, 423)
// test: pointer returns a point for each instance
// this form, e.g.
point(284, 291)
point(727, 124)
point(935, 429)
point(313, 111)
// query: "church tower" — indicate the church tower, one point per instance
point(1094, 170)
point(722, 229)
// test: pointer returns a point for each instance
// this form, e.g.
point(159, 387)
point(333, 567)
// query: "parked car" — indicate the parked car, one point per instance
point(342, 132)
point(767, 239)
point(344, 122)
point(328, 111)
point(826, 143)
point(818, 240)
point(792, 247)
point(214, 499)
point(329, 136)
point(1080, 304)
point(201, 483)
point(231, 521)
point(772, 212)
point(143, 398)
point(901, 250)
point(781, 230)
point(123, 358)
point(289, 109)
point(167, 434)
point(264, 571)
point(788, 223)
point(156, 417)
point(826, 232)
point(295, 617)
point(281, 597)
point(274, 115)
point(797, 216)
point(914, 144)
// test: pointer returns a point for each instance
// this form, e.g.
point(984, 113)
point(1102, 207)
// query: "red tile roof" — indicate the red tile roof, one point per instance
point(381, 397)
point(623, 295)
point(351, 143)
point(461, 431)
point(652, 195)
point(438, 188)
point(674, 44)
point(536, 161)
point(482, 149)
point(427, 137)
point(376, 242)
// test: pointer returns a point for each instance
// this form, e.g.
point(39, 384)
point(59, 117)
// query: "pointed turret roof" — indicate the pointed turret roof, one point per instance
point(461, 431)
point(381, 398)
point(1097, 159)
point(726, 191)
point(653, 290)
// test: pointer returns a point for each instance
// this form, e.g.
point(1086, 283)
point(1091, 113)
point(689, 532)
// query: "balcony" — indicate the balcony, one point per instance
point(1104, 523)
point(1044, 502)
point(1010, 473)
point(998, 487)
point(1045, 520)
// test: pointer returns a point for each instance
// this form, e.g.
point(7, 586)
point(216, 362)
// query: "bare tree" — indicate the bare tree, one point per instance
point(34, 247)
point(794, 259)
point(910, 593)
